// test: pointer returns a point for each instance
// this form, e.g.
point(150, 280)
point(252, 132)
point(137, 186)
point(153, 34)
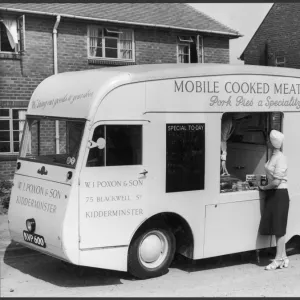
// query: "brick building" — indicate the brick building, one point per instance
point(39, 39)
point(276, 41)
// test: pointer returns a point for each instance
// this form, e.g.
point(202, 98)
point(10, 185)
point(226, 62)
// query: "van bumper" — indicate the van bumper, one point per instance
point(111, 258)
point(49, 250)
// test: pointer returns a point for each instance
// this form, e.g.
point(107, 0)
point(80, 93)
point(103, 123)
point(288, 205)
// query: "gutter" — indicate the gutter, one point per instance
point(55, 72)
point(234, 35)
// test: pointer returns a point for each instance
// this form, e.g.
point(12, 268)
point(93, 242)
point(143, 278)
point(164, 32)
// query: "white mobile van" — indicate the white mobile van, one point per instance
point(119, 168)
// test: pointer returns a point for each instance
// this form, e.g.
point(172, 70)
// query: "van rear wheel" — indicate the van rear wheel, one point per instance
point(151, 253)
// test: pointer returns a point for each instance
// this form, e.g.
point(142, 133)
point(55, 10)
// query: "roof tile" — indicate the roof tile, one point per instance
point(175, 15)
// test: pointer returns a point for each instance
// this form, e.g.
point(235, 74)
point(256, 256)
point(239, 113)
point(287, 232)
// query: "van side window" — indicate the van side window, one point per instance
point(244, 150)
point(123, 146)
point(185, 163)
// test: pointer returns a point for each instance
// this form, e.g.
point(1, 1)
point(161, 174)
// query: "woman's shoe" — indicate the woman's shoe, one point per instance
point(275, 264)
point(285, 262)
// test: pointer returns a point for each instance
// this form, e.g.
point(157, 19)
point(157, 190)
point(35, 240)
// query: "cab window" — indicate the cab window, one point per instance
point(123, 146)
point(43, 143)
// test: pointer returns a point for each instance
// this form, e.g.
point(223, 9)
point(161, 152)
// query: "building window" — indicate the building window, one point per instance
point(190, 49)
point(280, 61)
point(12, 34)
point(110, 43)
point(11, 129)
point(184, 53)
point(185, 157)
point(123, 146)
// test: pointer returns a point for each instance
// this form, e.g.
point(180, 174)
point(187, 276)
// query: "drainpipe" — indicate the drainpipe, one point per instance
point(55, 72)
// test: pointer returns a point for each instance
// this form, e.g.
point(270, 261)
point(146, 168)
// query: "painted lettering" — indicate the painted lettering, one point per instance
point(177, 88)
point(215, 101)
point(177, 128)
point(87, 184)
point(197, 86)
point(196, 127)
point(247, 87)
point(34, 189)
point(287, 89)
point(37, 103)
point(41, 205)
point(109, 183)
point(112, 198)
point(135, 182)
point(114, 213)
point(54, 194)
point(242, 101)
point(293, 102)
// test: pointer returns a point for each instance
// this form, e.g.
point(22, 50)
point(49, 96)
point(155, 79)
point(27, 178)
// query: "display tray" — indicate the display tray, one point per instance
point(226, 181)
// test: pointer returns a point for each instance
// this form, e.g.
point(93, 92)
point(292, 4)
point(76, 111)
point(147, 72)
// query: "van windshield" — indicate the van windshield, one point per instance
point(52, 141)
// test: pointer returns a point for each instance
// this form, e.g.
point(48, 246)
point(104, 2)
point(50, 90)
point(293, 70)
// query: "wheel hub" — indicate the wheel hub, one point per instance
point(153, 249)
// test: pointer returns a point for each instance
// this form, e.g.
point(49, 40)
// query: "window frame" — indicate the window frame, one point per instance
point(11, 129)
point(5, 52)
point(20, 25)
point(200, 48)
point(105, 125)
point(280, 64)
point(178, 54)
point(110, 30)
point(28, 136)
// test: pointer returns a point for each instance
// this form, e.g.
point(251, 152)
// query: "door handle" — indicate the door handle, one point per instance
point(144, 172)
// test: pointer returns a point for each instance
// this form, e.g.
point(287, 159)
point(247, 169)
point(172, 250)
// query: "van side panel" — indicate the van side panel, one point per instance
point(112, 200)
point(233, 227)
point(126, 102)
point(190, 205)
point(291, 146)
point(215, 93)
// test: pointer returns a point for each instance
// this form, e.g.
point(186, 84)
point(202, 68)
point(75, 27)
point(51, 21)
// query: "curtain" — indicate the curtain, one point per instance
point(11, 30)
point(93, 40)
point(181, 53)
point(126, 44)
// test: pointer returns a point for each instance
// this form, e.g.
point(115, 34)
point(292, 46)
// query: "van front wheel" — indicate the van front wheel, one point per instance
point(151, 253)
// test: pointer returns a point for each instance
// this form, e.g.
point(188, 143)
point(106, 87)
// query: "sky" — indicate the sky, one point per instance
point(242, 17)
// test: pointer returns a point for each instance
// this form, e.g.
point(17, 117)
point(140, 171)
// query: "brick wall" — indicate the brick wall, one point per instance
point(72, 46)
point(155, 46)
point(19, 76)
point(216, 50)
point(7, 169)
point(280, 30)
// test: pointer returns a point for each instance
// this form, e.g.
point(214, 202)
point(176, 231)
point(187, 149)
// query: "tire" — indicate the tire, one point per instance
point(143, 263)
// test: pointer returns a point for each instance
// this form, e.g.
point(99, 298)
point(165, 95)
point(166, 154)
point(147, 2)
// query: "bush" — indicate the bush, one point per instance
point(5, 190)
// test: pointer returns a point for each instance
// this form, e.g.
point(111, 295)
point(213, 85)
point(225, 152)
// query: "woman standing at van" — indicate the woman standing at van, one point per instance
point(275, 214)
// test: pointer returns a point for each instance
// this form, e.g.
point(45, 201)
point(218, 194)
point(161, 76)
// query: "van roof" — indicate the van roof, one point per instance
point(168, 71)
point(82, 89)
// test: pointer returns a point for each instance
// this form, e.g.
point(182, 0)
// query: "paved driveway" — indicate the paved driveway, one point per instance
point(25, 272)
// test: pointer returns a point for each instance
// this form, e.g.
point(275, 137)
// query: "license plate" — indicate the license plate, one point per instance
point(33, 238)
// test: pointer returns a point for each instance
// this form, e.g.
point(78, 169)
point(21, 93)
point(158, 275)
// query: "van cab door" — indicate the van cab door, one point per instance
point(112, 184)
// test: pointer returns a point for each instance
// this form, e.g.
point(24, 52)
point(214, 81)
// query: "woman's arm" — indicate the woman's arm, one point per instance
point(274, 184)
point(278, 175)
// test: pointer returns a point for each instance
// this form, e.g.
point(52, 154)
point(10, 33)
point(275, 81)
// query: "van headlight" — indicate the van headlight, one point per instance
point(30, 225)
